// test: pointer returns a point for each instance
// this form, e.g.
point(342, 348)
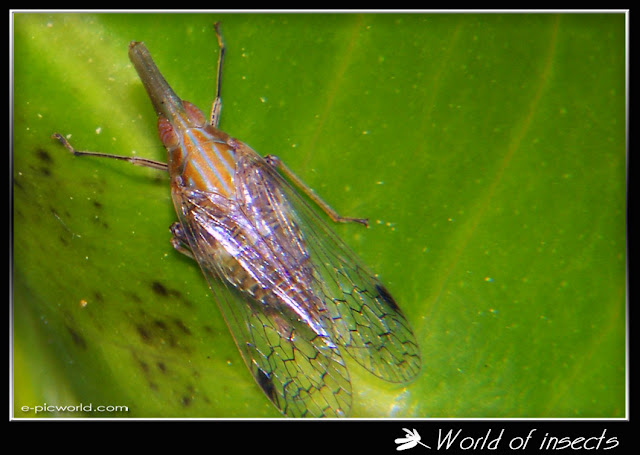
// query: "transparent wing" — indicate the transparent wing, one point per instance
point(293, 360)
point(300, 294)
point(361, 315)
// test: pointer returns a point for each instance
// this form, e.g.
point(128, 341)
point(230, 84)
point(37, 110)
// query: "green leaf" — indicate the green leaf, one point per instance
point(488, 152)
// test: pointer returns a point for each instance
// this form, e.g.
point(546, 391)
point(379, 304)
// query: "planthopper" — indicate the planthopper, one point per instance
point(296, 299)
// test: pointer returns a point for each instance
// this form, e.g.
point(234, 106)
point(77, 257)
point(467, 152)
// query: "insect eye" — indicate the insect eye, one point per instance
point(194, 114)
point(167, 135)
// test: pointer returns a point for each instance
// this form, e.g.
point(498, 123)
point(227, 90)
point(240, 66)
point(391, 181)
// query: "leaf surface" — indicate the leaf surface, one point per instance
point(488, 152)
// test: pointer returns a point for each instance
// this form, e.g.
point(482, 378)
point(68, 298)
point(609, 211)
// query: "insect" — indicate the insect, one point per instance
point(296, 299)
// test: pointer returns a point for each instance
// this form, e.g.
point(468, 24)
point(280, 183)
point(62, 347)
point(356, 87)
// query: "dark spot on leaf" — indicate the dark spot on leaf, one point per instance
point(98, 221)
point(188, 397)
point(46, 161)
point(144, 366)
point(162, 367)
point(146, 371)
point(384, 294)
point(43, 155)
point(159, 289)
point(17, 184)
point(160, 324)
point(183, 300)
point(135, 297)
point(77, 339)
point(144, 334)
point(161, 333)
point(182, 327)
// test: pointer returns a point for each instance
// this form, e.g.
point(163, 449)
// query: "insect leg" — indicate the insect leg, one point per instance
point(179, 241)
point(298, 183)
point(217, 102)
point(131, 159)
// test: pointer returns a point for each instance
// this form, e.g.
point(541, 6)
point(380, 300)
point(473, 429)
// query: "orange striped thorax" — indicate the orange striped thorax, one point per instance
point(199, 154)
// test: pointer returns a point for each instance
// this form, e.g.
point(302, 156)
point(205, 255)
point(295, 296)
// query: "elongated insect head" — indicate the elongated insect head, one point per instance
point(165, 101)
